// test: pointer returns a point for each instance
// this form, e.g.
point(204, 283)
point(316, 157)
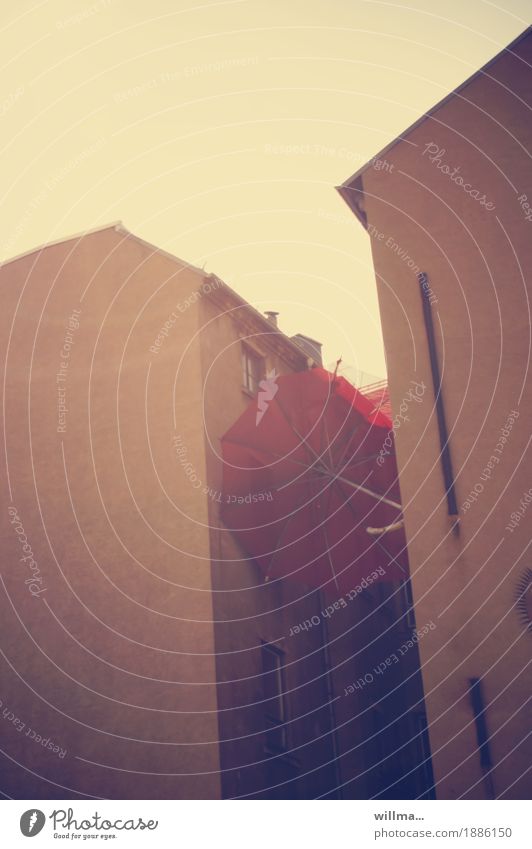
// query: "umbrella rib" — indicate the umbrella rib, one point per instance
point(361, 488)
point(278, 546)
point(389, 554)
point(383, 530)
point(327, 438)
point(251, 447)
point(328, 496)
point(338, 477)
point(351, 435)
point(348, 443)
point(369, 492)
point(350, 464)
point(329, 555)
point(326, 429)
point(317, 457)
point(297, 462)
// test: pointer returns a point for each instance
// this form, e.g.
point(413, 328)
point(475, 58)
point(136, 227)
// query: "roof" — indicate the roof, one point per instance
point(355, 183)
point(113, 225)
point(274, 335)
point(235, 298)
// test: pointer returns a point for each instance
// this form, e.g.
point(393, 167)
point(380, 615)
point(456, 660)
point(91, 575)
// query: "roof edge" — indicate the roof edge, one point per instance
point(225, 287)
point(113, 225)
point(402, 136)
point(274, 332)
point(119, 227)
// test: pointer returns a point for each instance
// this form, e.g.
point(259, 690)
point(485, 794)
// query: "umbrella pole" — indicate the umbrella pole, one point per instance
point(331, 699)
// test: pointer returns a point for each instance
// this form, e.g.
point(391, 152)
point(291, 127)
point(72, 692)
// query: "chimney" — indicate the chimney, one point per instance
point(271, 315)
point(309, 346)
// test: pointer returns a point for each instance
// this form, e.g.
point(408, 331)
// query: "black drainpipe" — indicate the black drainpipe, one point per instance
point(445, 454)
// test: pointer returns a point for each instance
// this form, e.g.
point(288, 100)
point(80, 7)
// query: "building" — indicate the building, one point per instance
point(143, 656)
point(447, 207)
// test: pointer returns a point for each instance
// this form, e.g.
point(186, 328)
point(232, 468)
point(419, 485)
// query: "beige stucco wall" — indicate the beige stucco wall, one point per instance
point(478, 261)
point(139, 654)
point(115, 659)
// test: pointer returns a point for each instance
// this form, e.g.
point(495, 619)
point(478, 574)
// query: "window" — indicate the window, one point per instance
point(252, 369)
point(274, 696)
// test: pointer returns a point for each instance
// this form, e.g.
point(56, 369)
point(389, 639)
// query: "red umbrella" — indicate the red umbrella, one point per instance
point(305, 474)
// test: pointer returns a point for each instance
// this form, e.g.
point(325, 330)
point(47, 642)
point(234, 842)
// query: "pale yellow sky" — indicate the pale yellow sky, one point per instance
point(218, 130)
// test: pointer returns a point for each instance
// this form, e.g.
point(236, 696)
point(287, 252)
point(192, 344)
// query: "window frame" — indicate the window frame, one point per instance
point(251, 380)
point(275, 721)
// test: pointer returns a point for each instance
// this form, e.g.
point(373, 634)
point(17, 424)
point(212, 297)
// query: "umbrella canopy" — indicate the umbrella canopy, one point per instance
point(305, 473)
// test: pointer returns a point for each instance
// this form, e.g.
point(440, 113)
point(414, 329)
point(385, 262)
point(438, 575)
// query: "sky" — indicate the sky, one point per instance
point(218, 131)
